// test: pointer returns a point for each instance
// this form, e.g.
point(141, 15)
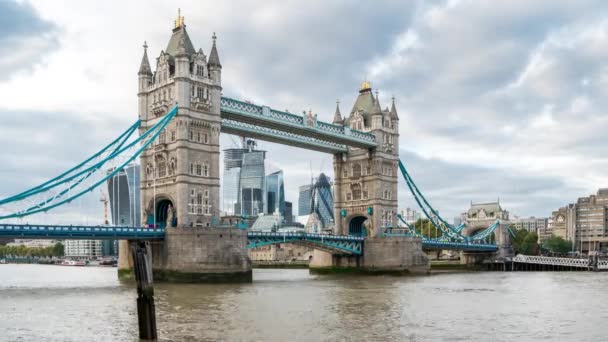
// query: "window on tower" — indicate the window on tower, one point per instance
point(200, 92)
point(199, 169)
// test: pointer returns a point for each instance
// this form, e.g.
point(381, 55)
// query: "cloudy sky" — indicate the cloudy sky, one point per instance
point(496, 98)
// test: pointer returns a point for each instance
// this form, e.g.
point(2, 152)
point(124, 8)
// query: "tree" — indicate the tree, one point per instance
point(557, 244)
point(525, 242)
point(426, 228)
point(58, 250)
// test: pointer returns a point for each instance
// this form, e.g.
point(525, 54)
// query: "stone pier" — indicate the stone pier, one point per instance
point(195, 255)
point(395, 255)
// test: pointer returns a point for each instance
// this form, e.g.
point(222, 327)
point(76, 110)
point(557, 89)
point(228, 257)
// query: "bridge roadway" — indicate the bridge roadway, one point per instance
point(339, 244)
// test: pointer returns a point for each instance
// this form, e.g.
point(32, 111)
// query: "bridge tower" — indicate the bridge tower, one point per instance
point(180, 171)
point(180, 184)
point(365, 186)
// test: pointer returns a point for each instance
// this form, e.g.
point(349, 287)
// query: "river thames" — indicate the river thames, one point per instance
point(54, 303)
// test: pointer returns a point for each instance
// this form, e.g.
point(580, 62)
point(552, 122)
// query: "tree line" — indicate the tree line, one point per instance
point(57, 250)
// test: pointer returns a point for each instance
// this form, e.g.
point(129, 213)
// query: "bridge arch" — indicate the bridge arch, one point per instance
point(158, 212)
point(358, 225)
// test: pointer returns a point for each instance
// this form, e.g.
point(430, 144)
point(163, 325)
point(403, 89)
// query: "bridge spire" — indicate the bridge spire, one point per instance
point(377, 108)
point(144, 67)
point(394, 115)
point(214, 58)
point(337, 116)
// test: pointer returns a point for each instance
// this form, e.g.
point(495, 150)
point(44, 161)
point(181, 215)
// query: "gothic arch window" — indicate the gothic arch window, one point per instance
point(191, 168)
point(161, 165)
point(199, 169)
point(356, 190)
point(356, 170)
point(206, 170)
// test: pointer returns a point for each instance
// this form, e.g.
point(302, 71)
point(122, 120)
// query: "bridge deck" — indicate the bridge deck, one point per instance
point(339, 244)
point(67, 232)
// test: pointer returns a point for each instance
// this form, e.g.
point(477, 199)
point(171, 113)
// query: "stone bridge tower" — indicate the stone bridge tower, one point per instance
point(180, 171)
point(365, 187)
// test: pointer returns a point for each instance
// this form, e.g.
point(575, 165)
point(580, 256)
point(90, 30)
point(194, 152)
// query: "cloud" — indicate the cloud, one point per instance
point(499, 99)
point(25, 38)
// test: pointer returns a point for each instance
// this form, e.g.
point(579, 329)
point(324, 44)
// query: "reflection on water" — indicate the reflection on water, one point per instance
point(53, 303)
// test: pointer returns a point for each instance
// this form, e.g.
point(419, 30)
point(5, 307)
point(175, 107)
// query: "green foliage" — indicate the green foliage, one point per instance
point(557, 244)
point(57, 250)
point(525, 242)
point(426, 228)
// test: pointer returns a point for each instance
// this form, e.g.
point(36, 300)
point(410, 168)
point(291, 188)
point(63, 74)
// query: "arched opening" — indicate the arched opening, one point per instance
point(356, 226)
point(160, 217)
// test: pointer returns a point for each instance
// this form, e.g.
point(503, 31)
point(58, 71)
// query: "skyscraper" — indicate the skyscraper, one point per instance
point(318, 198)
point(123, 191)
point(275, 193)
point(253, 179)
point(233, 161)
point(288, 217)
point(304, 200)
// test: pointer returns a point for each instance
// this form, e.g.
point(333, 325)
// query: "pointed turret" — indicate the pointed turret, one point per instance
point(377, 108)
point(214, 58)
point(337, 116)
point(394, 115)
point(144, 67)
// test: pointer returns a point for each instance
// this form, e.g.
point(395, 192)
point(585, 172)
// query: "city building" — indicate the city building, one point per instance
point(275, 193)
point(288, 216)
point(253, 187)
point(304, 200)
point(281, 253)
point(88, 249)
point(531, 224)
point(124, 198)
point(231, 181)
point(410, 215)
point(33, 243)
point(585, 222)
point(244, 181)
point(317, 199)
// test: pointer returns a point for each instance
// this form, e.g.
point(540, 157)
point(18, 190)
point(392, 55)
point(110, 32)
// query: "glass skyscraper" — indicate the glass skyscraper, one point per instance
point(275, 194)
point(124, 196)
point(244, 181)
point(233, 161)
point(318, 198)
point(304, 200)
point(253, 179)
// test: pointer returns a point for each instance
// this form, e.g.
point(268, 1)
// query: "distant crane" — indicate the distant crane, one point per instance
point(104, 200)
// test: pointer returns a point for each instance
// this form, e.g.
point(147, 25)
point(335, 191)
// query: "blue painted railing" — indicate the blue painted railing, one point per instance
point(67, 232)
point(334, 243)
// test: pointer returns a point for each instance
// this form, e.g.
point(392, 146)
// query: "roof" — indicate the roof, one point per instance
point(179, 34)
point(365, 104)
point(493, 207)
point(214, 58)
point(267, 222)
point(144, 67)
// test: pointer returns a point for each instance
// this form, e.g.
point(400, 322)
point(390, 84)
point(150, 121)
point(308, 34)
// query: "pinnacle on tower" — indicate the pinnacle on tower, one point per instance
point(214, 58)
point(144, 67)
point(394, 115)
point(377, 108)
point(337, 116)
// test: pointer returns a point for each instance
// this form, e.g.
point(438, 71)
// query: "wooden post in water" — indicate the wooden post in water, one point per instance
point(146, 315)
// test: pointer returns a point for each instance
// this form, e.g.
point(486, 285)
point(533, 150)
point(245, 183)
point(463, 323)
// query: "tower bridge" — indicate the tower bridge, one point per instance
point(181, 113)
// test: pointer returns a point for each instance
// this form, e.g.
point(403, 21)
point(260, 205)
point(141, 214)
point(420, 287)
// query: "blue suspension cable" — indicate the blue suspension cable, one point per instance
point(156, 129)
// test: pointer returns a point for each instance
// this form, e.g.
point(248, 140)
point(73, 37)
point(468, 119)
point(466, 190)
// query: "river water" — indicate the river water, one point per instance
point(54, 303)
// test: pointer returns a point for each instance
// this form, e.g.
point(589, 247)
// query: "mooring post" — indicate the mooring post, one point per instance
point(142, 260)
